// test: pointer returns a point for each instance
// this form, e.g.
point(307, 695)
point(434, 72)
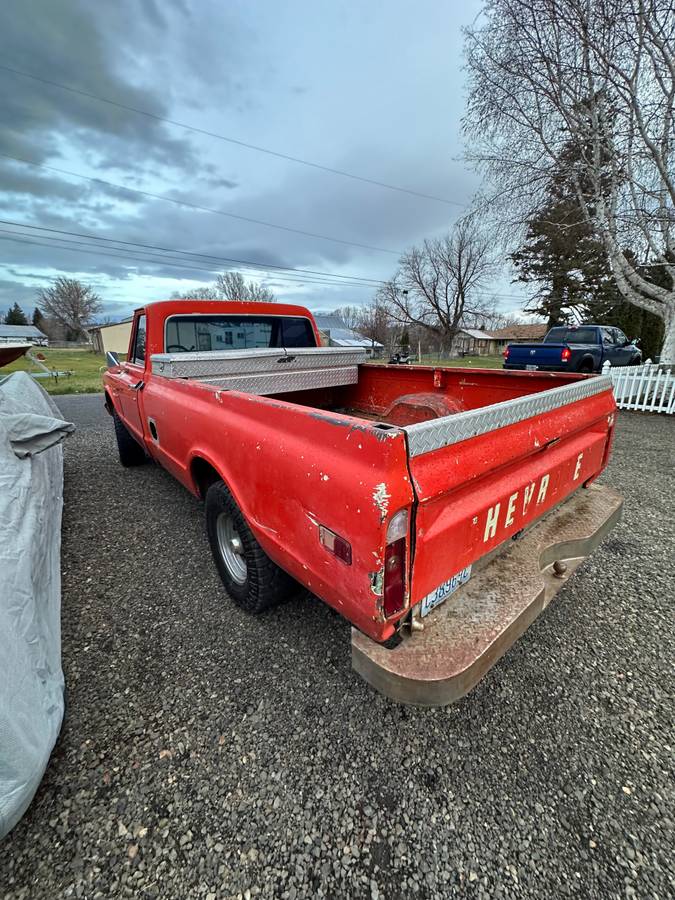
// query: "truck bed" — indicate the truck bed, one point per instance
point(414, 395)
point(333, 379)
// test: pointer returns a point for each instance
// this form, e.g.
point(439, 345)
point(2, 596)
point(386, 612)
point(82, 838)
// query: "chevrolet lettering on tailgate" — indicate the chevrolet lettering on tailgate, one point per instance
point(518, 504)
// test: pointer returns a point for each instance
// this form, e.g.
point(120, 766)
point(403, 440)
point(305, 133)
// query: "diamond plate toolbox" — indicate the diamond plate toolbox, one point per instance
point(287, 381)
point(265, 361)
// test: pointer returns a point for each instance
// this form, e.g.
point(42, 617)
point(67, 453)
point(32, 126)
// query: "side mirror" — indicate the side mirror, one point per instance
point(112, 359)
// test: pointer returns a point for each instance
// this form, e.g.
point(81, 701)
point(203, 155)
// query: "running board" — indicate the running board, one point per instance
point(463, 638)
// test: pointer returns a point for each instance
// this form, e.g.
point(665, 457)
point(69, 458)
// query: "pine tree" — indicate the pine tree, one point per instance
point(38, 319)
point(16, 316)
point(404, 340)
point(562, 254)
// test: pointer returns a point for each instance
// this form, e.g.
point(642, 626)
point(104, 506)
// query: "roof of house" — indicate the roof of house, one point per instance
point(477, 333)
point(23, 331)
point(346, 338)
point(520, 332)
point(340, 334)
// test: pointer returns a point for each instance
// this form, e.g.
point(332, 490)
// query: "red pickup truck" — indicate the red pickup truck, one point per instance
point(382, 489)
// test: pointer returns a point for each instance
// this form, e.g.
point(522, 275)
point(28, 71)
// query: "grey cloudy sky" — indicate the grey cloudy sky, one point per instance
point(375, 90)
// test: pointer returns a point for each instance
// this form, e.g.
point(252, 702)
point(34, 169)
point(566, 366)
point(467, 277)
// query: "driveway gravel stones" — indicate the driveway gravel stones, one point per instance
point(206, 754)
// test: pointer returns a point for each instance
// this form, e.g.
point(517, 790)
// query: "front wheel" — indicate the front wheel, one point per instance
point(250, 577)
point(131, 453)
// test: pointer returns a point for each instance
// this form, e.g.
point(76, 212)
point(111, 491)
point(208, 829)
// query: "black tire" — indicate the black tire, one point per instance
point(585, 366)
point(258, 583)
point(131, 452)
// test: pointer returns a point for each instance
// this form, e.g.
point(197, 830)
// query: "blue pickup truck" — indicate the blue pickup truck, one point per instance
point(574, 348)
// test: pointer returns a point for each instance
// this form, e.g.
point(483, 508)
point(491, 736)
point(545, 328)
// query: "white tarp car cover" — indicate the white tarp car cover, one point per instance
point(31, 679)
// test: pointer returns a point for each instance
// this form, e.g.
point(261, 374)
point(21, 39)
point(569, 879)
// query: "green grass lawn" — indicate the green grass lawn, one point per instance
point(469, 362)
point(85, 365)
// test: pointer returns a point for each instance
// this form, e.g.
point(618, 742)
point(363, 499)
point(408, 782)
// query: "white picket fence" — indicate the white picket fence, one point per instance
point(648, 388)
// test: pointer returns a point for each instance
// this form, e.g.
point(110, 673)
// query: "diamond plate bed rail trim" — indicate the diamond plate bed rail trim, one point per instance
point(283, 382)
point(427, 436)
point(219, 363)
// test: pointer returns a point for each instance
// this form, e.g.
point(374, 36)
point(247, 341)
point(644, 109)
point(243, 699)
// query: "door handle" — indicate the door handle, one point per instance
point(138, 386)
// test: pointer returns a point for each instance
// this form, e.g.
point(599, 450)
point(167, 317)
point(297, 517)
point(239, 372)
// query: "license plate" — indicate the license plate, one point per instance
point(444, 590)
point(531, 368)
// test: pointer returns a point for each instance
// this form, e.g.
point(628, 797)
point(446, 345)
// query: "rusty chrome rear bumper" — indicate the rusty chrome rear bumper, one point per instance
point(464, 638)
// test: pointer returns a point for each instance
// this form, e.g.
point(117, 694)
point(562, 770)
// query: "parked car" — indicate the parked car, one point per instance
point(377, 488)
point(575, 348)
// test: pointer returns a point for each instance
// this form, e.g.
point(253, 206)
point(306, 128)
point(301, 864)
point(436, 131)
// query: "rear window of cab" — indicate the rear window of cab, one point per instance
point(185, 334)
point(572, 336)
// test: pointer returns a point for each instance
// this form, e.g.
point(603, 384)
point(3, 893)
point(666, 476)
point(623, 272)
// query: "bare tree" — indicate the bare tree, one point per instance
point(197, 293)
point(233, 286)
point(597, 75)
point(439, 283)
point(229, 286)
point(350, 315)
point(71, 304)
point(373, 321)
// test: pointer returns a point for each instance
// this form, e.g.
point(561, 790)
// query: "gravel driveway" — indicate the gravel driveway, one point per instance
point(207, 754)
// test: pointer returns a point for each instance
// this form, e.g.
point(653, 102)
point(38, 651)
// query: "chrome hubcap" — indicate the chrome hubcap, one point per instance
point(231, 548)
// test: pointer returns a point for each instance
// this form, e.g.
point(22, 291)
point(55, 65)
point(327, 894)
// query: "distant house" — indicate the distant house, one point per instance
point(336, 333)
point(10, 334)
point(113, 337)
point(477, 342)
point(473, 341)
point(514, 334)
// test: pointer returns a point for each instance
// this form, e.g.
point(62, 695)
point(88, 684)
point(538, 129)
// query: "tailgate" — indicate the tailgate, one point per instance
point(535, 354)
point(481, 476)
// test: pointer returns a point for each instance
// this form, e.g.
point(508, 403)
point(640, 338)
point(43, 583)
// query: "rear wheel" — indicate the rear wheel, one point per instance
point(586, 366)
point(250, 577)
point(131, 452)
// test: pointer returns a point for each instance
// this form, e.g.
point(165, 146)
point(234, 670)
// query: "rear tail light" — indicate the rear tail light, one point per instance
point(394, 599)
point(394, 577)
point(566, 353)
point(506, 353)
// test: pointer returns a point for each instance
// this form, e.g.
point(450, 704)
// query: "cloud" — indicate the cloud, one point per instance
point(75, 44)
point(268, 74)
point(12, 292)
point(37, 185)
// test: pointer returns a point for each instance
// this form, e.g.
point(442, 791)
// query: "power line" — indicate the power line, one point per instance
point(57, 243)
point(229, 140)
point(185, 203)
point(283, 273)
point(292, 276)
point(270, 268)
point(75, 246)
point(265, 267)
point(132, 258)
